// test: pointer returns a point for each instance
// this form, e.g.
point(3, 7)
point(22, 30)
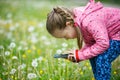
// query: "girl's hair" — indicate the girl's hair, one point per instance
point(57, 19)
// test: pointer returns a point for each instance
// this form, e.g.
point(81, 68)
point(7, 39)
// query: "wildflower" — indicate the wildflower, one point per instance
point(7, 53)
point(15, 57)
point(93, 78)
point(64, 44)
point(22, 66)
point(29, 51)
point(43, 38)
point(38, 51)
point(1, 47)
point(31, 29)
point(31, 75)
point(34, 39)
point(40, 58)
point(12, 45)
point(12, 28)
point(34, 63)
point(81, 73)
point(40, 25)
point(9, 15)
point(115, 72)
point(63, 64)
point(13, 71)
point(24, 56)
point(41, 71)
point(59, 51)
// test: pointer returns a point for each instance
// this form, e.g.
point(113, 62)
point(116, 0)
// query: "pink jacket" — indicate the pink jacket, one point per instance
point(98, 25)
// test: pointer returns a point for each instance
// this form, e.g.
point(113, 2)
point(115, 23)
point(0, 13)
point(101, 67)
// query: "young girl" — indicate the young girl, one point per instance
point(97, 26)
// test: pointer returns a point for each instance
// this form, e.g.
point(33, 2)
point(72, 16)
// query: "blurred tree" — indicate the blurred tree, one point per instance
point(110, 1)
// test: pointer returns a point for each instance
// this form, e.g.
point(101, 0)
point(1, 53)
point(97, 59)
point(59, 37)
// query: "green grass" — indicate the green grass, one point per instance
point(26, 47)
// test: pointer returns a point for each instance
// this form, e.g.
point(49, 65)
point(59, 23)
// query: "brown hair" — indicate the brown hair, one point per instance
point(57, 19)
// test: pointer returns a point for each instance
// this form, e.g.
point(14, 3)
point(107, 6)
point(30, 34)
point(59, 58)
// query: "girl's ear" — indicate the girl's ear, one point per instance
point(68, 23)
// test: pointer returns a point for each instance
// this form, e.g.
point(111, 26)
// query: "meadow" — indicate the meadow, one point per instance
point(27, 49)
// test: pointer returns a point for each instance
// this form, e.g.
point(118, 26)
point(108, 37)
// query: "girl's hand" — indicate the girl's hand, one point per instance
point(71, 57)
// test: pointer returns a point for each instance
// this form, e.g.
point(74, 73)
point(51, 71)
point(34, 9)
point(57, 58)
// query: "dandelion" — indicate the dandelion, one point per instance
point(29, 51)
point(63, 64)
point(7, 53)
point(1, 47)
point(64, 44)
point(93, 78)
point(9, 15)
point(12, 28)
point(31, 29)
point(47, 43)
point(59, 51)
point(15, 57)
point(40, 58)
point(22, 66)
point(34, 39)
point(12, 45)
point(31, 76)
point(24, 56)
point(13, 71)
point(115, 72)
point(34, 63)
point(41, 71)
point(40, 25)
point(81, 73)
point(43, 38)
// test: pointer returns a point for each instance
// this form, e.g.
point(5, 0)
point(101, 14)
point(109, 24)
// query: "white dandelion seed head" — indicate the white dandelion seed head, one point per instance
point(12, 45)
point(40, 58)
point(40, 25)
point(22, 66)
point(63, 64)
point(9, 15)
point(7, 53)
point(34, 63)
point(43, 38)
point(15, 57)
point(13, 71)
point(31, 29)
point(59, 51)
point(64, 44)
point(1, 47)
point(31, 76)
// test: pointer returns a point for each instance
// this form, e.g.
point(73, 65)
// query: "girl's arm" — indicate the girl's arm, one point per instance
point(100, 35)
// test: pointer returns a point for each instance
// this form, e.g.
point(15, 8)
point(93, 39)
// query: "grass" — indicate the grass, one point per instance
point(26, 48)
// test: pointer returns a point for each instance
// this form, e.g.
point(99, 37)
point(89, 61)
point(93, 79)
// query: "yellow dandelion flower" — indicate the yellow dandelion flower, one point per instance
point(115, 72)
point(15, 78)
point(33, 47)
point(41, 71)
point(89, 68)
point(24, 56)
point(38, 51)
point(87, 64)
point(12, 76)
point(81, 73)
point(29, 51)
point(33, 23)
point(93, 78)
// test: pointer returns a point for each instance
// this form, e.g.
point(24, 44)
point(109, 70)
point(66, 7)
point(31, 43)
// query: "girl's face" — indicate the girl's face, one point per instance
point(68, 32)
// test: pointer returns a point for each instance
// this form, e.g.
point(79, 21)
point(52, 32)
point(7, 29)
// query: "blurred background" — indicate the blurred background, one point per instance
point(27, 49)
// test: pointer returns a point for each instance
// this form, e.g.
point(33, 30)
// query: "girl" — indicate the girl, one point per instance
point(97, 26)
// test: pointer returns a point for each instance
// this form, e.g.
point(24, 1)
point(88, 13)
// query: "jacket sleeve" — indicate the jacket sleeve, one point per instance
point(99, 32)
